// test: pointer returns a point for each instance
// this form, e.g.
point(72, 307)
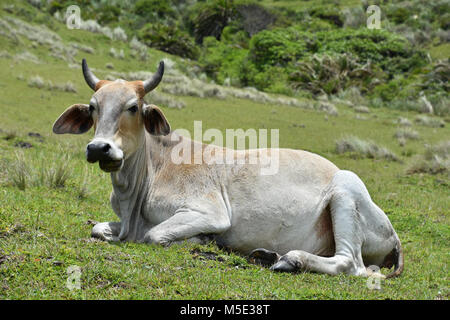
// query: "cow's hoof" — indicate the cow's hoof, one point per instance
point(264, 257)
point(283, 265)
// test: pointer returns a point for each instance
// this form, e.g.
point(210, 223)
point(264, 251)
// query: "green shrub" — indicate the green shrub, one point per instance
point(108, 14)
point(282, 46)
point(221, 61)
point(55, 6)
point(332, 73)
point(393, 53)
point(438, 78)
point(398, 14)
point(149, 9)
point(168, 38)
point(329, 14)
point(210, 18)
point(279, 46)
point(397, 88)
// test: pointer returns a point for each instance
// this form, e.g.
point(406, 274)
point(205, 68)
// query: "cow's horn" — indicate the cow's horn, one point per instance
point(151, 83)
point(90, 78)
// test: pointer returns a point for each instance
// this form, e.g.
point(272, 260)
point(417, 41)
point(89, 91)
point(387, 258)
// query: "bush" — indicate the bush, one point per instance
point(329, 14)
point(168, 39)
point(210, 18)
point(279, 46)
point(438, 78)
point(138, 49)
point(398, 14)
point(36, 82)
point(221, 61)
point(119, 34)
point(332, 73)
point(363, 148)
point(366, 52)
point(406, 134)
point(151, 9)
point(108, 14)
point(398, 88)
point(391, 52)
point(429, 122)
point(436, 159)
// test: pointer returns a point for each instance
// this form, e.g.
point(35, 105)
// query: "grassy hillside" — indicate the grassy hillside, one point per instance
point(50, 196)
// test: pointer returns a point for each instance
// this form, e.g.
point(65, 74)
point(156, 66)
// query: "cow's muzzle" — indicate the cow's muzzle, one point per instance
point(98, 152)
point(105, 154)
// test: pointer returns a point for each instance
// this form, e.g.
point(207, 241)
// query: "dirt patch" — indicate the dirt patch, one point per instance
point(14, 229)
point(206, 255)
point(36, 135)
point(23, 145)
point(3, 259)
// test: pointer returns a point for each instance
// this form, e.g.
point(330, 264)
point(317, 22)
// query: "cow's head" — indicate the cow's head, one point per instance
point(119, 116)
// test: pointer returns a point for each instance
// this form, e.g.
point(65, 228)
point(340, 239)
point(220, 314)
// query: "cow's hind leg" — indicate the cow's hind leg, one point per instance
point(107, 231)
point(358, 225)
point(346, 228)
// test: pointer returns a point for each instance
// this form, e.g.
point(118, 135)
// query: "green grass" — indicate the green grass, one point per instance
point(441, 51)
point(44, 228)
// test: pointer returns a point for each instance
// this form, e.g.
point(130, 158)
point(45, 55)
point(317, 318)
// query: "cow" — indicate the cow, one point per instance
point(309, 216)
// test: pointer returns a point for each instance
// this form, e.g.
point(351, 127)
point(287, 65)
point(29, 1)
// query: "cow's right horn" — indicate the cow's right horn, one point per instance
point(90, 78)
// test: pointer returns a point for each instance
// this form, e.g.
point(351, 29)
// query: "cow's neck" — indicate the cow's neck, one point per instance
point(132, 183)
point(130, 186)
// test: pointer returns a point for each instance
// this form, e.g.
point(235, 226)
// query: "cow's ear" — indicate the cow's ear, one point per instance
point(154, 120)
point(76, 119)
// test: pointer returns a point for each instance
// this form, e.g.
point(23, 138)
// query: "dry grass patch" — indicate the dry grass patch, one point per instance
point(436, 159)
point(364, 149)
point(404, 134)
point(429, 122)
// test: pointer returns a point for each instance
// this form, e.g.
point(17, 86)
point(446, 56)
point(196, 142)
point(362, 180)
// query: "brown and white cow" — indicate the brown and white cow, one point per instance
point(309, 216)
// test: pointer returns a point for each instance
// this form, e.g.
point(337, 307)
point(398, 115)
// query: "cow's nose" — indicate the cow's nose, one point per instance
point(98, 152)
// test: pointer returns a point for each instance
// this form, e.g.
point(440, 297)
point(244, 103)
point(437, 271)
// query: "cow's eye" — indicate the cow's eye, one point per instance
point(133, 109)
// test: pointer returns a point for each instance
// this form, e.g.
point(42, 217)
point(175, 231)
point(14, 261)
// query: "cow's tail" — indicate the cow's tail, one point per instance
point(397, 259)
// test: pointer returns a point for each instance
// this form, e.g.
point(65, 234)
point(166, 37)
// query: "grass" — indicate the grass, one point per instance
point(364, 148)
point(429, 121)
point(45, 228)
point(436, 159)
point(404, 134)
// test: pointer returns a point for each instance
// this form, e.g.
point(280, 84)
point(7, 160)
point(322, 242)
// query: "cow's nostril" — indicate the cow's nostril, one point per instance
point(105, 148)
point(98, 152)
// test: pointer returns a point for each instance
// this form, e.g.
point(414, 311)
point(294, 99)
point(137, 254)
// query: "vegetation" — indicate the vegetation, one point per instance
point(436, 159)
point(50, 196)
point(365, 149)
point(313, 47)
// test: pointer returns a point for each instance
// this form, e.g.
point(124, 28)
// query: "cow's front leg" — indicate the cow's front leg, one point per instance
point(107, 231)
point(186, 224)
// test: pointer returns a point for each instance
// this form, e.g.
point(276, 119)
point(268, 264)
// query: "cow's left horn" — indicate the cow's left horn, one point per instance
point(90, 78)
point(151, 83)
